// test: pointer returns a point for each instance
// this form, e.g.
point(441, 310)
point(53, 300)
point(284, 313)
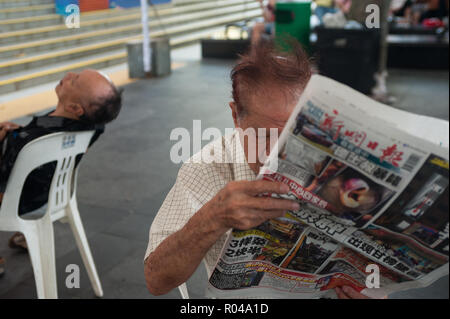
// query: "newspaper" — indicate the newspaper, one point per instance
point(372, 183)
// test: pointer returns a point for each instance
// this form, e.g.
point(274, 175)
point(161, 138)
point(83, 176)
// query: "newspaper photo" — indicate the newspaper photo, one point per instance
point(372, 184)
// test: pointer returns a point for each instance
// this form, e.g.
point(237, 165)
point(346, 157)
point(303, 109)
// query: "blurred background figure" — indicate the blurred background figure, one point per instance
point(432, 9)
point(344, 5)
point(420, 12)
point(86, 101)
point(266, 28)
point(402, 9)
point(324, 7)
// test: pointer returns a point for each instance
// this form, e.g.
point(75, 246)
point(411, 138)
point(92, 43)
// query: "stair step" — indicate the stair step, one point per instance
point(4, 4)
point(113, 18)
point(24, 80)
point(16, 65)
point(29, 48)
point(8, 25)
point(28, 11)
point(36, 21)
point(44, 52)
point(180, 3)
point(194, 32)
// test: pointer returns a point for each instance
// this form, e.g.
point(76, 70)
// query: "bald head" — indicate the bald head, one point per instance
point(90, 96)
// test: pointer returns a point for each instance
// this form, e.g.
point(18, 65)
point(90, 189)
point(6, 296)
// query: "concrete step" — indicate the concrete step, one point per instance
point(7, 25)
point(36, 21)
point(28, 11)
point(108, 19)
point(180, 35)
point(23, 3)
point(180, 3)
point(29, 48)
point(204, 20)
point(23, 80)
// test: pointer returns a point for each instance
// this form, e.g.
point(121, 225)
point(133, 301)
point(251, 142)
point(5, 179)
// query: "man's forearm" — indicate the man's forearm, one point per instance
point(178, 256)
point(235, 206)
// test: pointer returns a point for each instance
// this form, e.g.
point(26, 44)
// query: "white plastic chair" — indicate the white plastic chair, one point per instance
point(62, 205)
point(183, 287)
point(183, 291)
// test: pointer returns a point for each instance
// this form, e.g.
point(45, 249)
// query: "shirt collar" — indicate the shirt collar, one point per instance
point(57, 122)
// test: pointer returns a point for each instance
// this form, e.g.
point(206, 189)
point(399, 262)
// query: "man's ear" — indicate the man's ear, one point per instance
point(234, 112)
point(75, 109)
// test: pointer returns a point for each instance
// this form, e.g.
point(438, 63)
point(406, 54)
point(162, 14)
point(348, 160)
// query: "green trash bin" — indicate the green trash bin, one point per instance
point(293, 18)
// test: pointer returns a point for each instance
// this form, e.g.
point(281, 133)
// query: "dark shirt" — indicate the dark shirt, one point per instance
point(402, 11)
point(37, 185)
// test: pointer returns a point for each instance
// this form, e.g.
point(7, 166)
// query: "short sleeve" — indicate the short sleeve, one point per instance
point(196, 184)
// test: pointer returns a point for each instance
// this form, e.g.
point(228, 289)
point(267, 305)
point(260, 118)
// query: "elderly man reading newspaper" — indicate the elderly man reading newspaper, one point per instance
point(372, 182)
point(211, 197)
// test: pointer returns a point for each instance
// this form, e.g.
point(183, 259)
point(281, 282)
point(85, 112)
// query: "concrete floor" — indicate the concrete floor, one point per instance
point(125, 177)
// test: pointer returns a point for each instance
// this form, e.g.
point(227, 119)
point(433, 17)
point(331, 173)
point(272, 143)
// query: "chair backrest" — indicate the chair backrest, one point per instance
point(61, 148)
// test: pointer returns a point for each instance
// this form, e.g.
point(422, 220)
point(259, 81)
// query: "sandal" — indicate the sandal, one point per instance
point(17, 241)
point(2, 266)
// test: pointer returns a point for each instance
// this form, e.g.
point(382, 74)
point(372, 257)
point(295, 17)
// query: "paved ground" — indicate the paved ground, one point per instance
point(126, 175)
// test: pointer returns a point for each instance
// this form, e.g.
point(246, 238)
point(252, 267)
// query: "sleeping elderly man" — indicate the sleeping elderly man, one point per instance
point(86, 101)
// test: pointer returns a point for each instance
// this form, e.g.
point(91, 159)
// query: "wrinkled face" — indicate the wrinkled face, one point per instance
point(268, 109)
point(82, 90)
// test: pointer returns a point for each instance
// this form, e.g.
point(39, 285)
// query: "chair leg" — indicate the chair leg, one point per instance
point(41, 248)
point(83, 246)
point(183, 291)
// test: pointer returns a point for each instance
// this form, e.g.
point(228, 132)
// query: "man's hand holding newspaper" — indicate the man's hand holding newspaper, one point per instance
point(373, 204)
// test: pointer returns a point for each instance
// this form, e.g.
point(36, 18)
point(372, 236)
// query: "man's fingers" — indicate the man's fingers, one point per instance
point(269, 203)
point(255, 217)
point(13, 127)
point(260, 187)
point(9, 126)
point(340, 293)
point(348, 292)
point(353, 294)
point(267, 215)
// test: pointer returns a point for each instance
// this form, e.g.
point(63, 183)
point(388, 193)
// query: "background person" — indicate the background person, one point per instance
point(209, 199)
point(86, 101)
point(402, 9)
point(324, 7)
point(268, 26)
point(434, 9)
